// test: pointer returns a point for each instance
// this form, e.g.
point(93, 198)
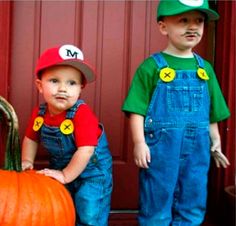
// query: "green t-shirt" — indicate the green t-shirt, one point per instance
point(145, 81)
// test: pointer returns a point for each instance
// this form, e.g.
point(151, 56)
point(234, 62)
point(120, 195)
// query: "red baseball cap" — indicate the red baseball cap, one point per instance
point(65, 55)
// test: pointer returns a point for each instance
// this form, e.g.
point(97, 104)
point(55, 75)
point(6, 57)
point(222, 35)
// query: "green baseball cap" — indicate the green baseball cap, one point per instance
point(175, 7)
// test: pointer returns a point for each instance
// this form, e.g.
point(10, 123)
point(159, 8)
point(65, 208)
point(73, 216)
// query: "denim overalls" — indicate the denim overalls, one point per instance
point(91, 191)
point(173, 189)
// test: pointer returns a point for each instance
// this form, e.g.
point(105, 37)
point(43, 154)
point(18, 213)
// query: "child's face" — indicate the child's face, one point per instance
point(184, 30)
point(61, 87)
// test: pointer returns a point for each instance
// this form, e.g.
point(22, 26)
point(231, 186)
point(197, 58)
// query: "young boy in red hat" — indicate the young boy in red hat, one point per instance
point(174, 104)
point(70, 132)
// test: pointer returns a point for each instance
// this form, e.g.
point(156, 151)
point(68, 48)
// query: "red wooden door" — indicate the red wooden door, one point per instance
point(115, 37)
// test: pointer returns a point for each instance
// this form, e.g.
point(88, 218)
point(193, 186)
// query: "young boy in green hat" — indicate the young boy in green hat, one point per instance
point(174, 104)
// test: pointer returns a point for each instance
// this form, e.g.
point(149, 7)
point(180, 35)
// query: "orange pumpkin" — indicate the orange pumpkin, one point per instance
point(28, 198)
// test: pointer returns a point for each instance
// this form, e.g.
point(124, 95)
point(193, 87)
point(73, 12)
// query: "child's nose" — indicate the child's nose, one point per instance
point(193, 25)
point(62, 87)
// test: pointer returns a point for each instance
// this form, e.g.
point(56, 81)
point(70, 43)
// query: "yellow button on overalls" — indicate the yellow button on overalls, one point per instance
point(202, 74)
point(167, 74)
point(38, 122)
point(67, 127)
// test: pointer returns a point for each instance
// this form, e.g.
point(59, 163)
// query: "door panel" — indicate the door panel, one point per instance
point(5, 21)
point(115, 36)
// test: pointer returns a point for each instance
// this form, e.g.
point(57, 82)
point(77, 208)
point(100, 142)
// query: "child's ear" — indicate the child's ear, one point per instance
point(38, 84)
point(162, 27)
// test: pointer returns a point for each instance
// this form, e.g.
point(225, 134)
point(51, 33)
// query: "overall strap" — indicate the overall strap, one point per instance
point(71, 112)
point(42, 109)
point(160, 60)
point(200, 61)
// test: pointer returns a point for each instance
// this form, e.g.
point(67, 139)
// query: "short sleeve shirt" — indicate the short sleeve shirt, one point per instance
point(86, 128)
point(145, 80)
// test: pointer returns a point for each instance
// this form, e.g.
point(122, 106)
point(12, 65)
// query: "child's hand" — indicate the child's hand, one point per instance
point(142, 155)
point(216, 153)
point(56, 174)
point(27, 165)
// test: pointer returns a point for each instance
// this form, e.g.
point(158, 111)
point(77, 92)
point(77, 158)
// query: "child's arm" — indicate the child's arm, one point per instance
point(29, 150)
point(141, 151)
point(75, 167)
point(218, 156)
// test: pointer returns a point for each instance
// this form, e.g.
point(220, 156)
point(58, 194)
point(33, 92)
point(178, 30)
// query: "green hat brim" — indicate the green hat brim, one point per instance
point(211, 15)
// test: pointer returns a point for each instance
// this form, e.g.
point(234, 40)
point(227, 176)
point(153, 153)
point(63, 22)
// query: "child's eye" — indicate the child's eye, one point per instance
point(183, 20)
point(200, 20)
point(53, 80)
point(72, 83)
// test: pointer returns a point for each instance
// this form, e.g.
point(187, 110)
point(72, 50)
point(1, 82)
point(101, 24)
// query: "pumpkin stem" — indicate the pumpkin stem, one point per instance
point(13, 151)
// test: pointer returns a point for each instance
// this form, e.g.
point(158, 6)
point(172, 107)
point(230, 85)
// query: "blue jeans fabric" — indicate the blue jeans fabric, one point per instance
point(173, 190)
point(91, 191)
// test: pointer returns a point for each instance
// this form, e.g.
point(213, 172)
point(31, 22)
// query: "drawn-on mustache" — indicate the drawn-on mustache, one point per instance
point(191, 33)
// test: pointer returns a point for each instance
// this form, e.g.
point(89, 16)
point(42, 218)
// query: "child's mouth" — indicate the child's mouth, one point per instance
point(59, 97)
point(191, 34)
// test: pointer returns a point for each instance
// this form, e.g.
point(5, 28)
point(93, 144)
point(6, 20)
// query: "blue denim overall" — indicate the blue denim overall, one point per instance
point(173, 189)
point(91, 191)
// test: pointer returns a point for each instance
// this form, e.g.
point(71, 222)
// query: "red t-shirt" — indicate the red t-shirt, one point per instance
point(86, 129)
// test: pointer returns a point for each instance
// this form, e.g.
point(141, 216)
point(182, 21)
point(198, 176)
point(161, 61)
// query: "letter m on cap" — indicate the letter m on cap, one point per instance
point(71, 54)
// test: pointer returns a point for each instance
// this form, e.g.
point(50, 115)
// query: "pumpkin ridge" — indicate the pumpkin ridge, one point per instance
point(9, 217)
point(41, 189)
point(69, 214)
point(67, 209)
point(4, 194)
point(24, 207)
point(36, 194)
point(61, 221)
point(57, 220)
